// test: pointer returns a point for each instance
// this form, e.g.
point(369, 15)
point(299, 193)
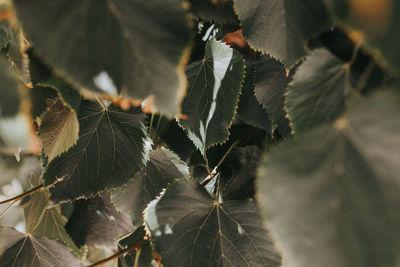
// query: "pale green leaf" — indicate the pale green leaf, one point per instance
point(58, 129)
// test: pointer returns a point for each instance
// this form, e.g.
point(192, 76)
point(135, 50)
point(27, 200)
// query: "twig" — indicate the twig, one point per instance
point(121, 253)
point(33, 190)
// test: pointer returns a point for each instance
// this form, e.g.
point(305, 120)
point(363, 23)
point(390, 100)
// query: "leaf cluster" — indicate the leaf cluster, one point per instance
point(203, 132)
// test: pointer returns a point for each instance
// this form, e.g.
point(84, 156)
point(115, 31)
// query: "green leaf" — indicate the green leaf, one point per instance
point(270, 85)
point(111, 148)
point(141, 257)
point(9, 96)
point(282, 28)
point(35, 209)
point(221, 12)
point(189, 228)
point(213, 94)
point(318, 91)
point(52, 226)
point(379, 22)
point(331, 196)
point(95, 222)
point(162, 169)
point(28, 250)
point(58, 129)
point(250, 110)
point(137, 46)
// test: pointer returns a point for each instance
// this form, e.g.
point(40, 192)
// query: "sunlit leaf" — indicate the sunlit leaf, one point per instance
point(318, 91)
point(331, 196)
point(58, 129)
point(189, 228)
point(282, 28)
point(108, 46)
point(52, 226)
point(162, 169)
point(95, 222)
point(212, 96)
point(112, 147)
point(35, 209)
point(28, 250)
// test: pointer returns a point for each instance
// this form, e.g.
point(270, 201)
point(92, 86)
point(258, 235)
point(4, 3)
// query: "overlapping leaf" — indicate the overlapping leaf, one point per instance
point(112, 147)
point(35, 209)
point(238, 173)
point(95, 222)
point(58, 129)
point(213, 93)
point(270, 85)
point(141, 257)
point(331, 197)
point(44, 222)
point(162, 169)
point(110, 45)
point(251, 111)
point(379, 22)
point(27, 250)
point(189, 228)
point(43, 76)
point(318, 91)
point(282, 27)
point(52, 225)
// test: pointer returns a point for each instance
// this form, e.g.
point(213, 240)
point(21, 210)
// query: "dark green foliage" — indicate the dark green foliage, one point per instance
point(258, 133)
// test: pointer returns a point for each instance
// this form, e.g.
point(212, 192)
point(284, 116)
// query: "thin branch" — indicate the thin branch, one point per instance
point(16, 198)
point(135, 246)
